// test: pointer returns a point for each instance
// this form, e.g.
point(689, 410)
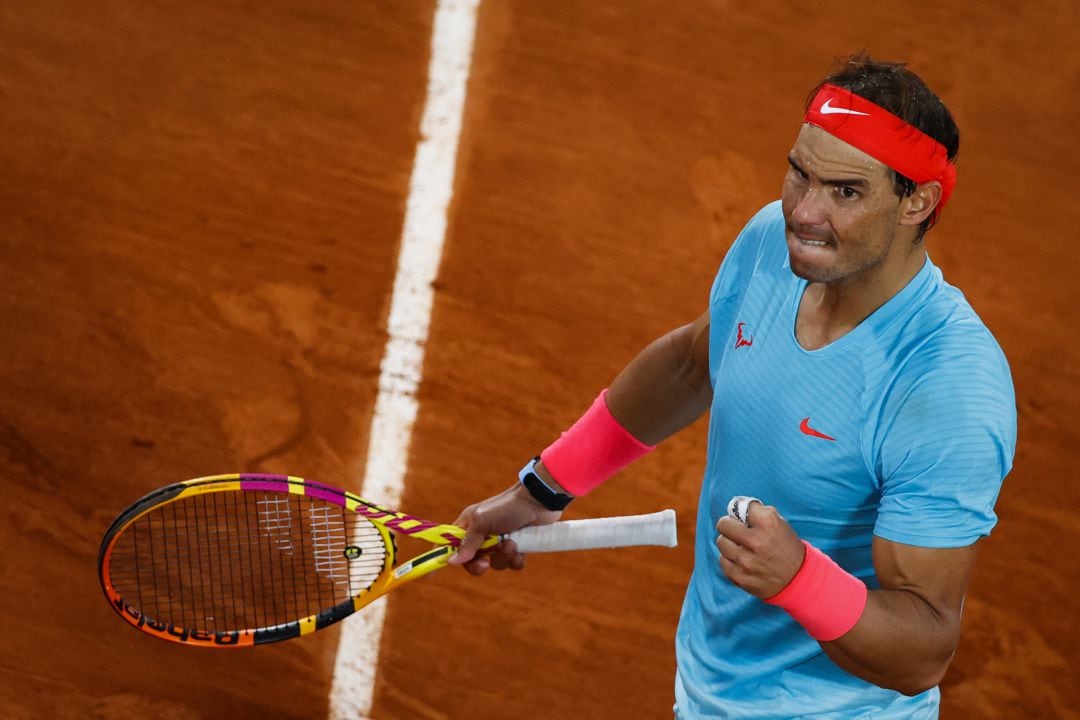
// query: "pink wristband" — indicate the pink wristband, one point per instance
point(822, 597)
point(592, 450)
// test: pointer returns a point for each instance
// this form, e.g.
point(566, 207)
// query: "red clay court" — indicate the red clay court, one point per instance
point(199, 225)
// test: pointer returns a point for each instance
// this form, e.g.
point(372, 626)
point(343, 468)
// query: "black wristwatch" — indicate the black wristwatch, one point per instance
point(540, 490)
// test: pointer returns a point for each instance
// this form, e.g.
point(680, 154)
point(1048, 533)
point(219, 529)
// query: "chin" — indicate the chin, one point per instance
point(807, 269)
point(811, 275)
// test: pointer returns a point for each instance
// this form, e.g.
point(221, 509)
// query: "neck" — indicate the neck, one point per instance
point(828, 311)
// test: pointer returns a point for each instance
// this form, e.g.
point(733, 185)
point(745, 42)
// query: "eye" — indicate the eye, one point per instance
point(847, 192)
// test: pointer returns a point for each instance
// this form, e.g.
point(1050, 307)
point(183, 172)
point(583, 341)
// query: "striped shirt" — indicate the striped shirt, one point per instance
point(903, 428)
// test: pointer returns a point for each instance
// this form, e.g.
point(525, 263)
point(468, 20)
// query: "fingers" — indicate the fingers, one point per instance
point(759, 550)
point(476, 567)
point(748, 524)
point(746, 514)
point(510, 510)
point(736, 534)
point(737, 560)
point(479, 526)
point(469, 546)
point(734, 531)
point(470, 543)
point(728, 548)
point(502, 557)
point(506, 557)
point(739, 507)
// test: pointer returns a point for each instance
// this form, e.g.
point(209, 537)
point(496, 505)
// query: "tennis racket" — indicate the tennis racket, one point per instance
point(238, 560)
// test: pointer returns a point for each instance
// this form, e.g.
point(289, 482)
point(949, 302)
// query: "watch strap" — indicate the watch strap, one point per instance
point(540, 490)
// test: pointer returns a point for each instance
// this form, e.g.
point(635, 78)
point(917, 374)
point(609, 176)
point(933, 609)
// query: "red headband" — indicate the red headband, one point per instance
point(883, 136)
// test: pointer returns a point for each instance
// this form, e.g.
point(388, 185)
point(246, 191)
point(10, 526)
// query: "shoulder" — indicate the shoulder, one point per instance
point(771, 216)
point(763, 229)
point(953, 391)
point(947, 398)
point(944, 343)
point(758, 242)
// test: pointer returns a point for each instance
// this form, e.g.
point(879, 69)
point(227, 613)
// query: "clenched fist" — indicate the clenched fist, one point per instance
point(762, 555)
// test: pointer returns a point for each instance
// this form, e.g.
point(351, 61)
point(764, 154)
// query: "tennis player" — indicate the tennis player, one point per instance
point(853, 391)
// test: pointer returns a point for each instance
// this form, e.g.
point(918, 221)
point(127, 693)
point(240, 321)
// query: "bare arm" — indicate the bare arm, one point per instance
point(909, 629)
point(664, 388)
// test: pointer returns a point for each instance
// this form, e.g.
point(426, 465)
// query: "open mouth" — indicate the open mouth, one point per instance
point(808, 239)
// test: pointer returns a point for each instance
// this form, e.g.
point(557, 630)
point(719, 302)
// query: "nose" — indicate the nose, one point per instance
point(809, 208)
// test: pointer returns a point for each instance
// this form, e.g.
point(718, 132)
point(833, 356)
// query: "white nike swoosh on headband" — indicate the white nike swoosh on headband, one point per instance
point(827, 109)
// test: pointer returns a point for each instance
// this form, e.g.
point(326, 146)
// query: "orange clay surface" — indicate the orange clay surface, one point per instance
point(199, 219)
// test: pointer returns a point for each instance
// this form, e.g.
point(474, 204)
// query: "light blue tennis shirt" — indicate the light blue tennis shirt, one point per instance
point(904, 428)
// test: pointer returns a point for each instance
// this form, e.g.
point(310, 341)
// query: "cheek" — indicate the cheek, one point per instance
point(786, 206)
point(848, 224)
point(790, 192)
point(862, 236)
point(868, 222)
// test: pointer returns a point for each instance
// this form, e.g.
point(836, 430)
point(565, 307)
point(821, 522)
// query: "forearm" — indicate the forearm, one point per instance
point(900, 642)
point(666, 387)
point(901, 636)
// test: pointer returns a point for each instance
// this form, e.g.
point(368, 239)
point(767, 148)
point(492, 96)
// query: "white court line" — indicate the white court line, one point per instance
point(430, 189)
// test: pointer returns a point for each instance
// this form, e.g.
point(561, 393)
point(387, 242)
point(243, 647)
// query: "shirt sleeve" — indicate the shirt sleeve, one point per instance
point(947, 440)
point(745, 253)
point(733, 277)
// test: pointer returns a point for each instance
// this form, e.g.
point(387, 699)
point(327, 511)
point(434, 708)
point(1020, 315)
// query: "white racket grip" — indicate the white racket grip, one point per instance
point(654, 529)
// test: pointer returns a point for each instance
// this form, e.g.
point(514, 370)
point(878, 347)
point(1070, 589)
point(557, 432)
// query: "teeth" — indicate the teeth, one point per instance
point(817, 243)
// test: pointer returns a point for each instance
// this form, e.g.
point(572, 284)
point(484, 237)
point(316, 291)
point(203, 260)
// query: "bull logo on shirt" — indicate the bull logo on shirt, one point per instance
point(741, 341)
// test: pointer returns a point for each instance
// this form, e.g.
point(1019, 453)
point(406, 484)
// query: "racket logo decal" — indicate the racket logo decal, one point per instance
point(275, 519)
point(172, 632)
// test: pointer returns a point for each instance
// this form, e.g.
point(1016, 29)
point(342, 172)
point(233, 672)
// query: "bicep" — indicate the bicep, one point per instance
point(699, 349)
point(691, 343)
point(937, 576)
point(910, 628)
point(667, 386)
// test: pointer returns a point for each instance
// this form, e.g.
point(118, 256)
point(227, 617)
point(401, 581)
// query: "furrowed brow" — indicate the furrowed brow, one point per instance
point(847, 182)
point(860, 183)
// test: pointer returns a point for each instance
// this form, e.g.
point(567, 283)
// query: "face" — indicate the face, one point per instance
point(842, 214)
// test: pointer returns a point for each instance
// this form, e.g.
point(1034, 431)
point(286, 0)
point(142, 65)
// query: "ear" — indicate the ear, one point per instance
point(920, 204)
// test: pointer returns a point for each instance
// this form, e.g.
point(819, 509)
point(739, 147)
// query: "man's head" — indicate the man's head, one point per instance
point(865, 180)
point(903, 93)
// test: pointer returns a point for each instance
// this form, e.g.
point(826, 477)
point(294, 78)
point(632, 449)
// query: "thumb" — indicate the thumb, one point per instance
point(469, 546)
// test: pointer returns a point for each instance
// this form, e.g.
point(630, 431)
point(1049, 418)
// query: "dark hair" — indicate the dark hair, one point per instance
point(904, 94)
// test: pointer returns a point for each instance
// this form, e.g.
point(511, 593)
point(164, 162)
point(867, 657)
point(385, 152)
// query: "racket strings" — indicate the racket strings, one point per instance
point(228, 561)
